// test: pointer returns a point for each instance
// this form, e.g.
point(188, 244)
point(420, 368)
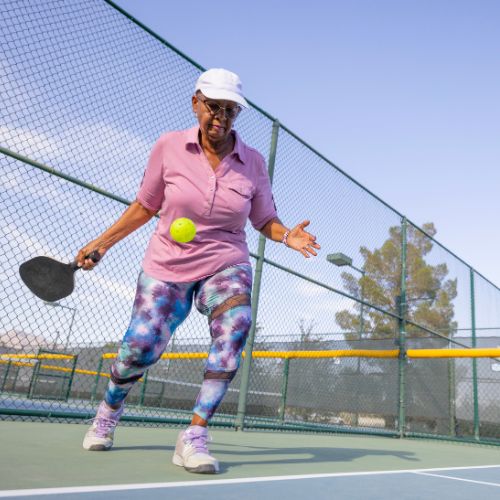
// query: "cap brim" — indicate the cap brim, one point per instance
point(224, 95)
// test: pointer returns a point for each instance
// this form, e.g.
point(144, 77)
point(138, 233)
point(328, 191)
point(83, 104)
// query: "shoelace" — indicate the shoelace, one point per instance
point(199, 442)
point(104, 425)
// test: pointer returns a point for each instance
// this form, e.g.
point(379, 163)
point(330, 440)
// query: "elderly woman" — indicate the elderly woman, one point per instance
point(209, 175)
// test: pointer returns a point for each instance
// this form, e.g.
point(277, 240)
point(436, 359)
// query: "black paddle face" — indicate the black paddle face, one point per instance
point(49, 279)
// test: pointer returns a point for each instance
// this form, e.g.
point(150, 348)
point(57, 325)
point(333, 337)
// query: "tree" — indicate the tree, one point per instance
point(306, 328)
point(429, 303)
point(429, 294)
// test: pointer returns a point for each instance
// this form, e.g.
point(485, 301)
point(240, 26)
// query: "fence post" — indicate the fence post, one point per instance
point(452, 392)
point(143, 388)
point(97, 378)
point(475, 388)
point(402, 335)
point(34, 378)
point(71, 377)
point(247, 362)
point(6, 374)
point(284, 390)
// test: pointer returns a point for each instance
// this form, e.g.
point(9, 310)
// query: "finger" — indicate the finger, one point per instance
point(310, 248)
point(84, 261)
point(87, 265)
point(310, 236)
point(304, 224)
point(92, 259)
point(80, 258)
point(311, 251)
point(303, 251)
point(308, 242)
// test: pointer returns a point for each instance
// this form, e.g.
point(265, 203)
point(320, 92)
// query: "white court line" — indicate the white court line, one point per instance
point(217, 482)
point(458, 479)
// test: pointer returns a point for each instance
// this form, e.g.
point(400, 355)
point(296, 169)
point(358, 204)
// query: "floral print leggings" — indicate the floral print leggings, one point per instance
point(160, 307)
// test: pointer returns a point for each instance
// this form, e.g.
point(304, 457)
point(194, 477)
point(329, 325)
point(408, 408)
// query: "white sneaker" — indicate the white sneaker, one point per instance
point(191, 451)
point(99, 437)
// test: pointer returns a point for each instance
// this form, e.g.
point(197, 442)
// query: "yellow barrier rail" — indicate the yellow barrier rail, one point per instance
point(37, 356)
point(475, 352)
point(343, 353)
point(348, 353)
point(54, 368)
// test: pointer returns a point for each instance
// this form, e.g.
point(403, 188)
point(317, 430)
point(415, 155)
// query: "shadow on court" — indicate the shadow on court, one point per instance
point(150, 447)
point(246, 455)
point(309, 455)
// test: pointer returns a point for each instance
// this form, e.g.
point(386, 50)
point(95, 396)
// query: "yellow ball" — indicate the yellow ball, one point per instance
point(183, 230)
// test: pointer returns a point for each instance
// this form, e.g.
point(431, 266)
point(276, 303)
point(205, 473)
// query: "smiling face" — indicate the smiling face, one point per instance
point(216, 118)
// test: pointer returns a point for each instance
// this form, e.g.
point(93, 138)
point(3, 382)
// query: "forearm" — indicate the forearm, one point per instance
point(274, 230)
point(133, 218)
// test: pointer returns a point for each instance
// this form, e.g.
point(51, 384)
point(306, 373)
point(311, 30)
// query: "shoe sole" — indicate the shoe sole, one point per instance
point(97, 447)
point(201, 469)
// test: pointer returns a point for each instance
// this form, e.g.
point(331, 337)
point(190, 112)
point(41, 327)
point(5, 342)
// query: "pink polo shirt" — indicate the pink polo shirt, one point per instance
point(179, 182)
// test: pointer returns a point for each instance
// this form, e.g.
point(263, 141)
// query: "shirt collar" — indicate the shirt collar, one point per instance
point(192, 142)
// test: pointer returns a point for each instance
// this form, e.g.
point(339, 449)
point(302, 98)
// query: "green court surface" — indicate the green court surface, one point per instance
point(48, 455)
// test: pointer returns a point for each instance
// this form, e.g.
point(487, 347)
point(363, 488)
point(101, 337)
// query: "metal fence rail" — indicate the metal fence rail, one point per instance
point(86, 91)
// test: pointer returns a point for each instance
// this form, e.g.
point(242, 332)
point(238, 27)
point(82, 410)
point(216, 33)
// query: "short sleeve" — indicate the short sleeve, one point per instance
point(263, 207)
point(152, 189)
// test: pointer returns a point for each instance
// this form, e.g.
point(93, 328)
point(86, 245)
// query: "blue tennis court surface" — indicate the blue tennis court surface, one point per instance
point(457, 483)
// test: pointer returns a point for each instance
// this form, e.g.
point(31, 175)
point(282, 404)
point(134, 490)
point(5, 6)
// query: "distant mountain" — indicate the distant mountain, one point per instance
point(22, 341)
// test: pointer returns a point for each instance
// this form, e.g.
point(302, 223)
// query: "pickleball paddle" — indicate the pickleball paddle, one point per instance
point(49, 279)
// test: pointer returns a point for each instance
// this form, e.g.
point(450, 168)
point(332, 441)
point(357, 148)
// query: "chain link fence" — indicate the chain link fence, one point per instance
point(86, 91)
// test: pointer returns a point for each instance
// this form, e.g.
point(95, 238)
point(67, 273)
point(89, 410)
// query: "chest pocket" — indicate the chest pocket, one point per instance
point(237, 197)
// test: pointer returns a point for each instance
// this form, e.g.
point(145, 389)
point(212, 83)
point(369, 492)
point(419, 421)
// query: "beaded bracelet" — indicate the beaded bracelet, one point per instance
point(284, 240)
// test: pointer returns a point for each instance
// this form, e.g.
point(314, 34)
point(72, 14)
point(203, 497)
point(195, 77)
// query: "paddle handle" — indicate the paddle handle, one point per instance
point(95, 256)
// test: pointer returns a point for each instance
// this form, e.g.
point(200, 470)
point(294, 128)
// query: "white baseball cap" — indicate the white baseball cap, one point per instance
point(218, 83)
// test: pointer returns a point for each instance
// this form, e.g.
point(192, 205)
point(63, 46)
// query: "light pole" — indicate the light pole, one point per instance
point(73, 313)
point(56, 340)
point(340, 260)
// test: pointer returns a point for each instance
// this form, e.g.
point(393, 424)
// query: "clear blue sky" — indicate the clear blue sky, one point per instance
point(402, 95)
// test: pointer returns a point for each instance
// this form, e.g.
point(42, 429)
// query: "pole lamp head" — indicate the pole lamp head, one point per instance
point(339, 259)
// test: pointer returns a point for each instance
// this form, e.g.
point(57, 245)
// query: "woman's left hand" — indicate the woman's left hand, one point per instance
point(302, 241)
